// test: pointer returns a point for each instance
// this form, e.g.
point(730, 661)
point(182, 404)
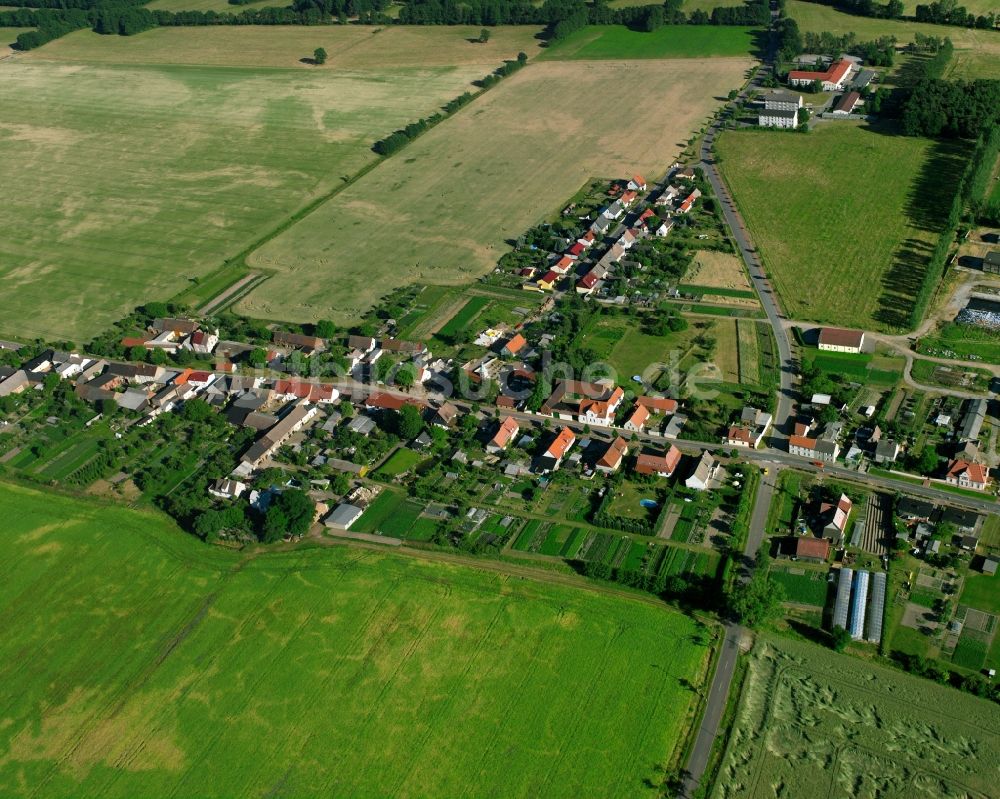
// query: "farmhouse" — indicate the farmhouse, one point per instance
point(589, 403)
point(514, 345)
point(636, 422)
point(816, 448)
point(660, 465)
point(835, 339)
point(688, 203)
point(834, 517)
point(704, 472)
point(299, 389)
point(504, 435)
point(846, 104)
point(552, 458)
point(227, 488)
point(750, 430)
point(444, 417)
point(308, 344)
point(267, 444)
point(811, 549)
point(832, 79)
point(661, 405)
point(179, 327)
point(966, 474)
point(611, 460)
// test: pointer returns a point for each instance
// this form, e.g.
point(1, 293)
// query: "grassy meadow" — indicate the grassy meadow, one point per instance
point(814, 723)
point(136, 177)
point(845, 217)
point(671, 41)
point(977, 52)
point(139, 662)
point(451, 199)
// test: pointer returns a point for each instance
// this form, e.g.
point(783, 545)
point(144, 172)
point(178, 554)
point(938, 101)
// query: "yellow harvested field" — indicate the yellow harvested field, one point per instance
point(719, 270)
point(351, 47)
point(441, 210)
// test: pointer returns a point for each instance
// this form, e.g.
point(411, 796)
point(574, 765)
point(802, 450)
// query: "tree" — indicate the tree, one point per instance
point(409, 422)
point(109, 408)
point(298, 509)
point(406, 375)
point(733, 94)
point(484, 35)
point(839, 639)
point(137, 353)
point(756, 601)
point(319, 56)
point(522, 58)
point(257, 358)
point(275, 525)
point(196, 410)
point(325, 328)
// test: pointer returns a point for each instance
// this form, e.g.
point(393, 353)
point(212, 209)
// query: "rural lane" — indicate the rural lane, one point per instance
point(768, 299)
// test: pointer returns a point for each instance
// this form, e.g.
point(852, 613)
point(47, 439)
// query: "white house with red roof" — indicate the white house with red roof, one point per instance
point(968, 474)
point(636, 422)
point(637, 183)
point(660, 465)
point(611, 460)
point(833, 79)
point(551, 459)
point(504, 435)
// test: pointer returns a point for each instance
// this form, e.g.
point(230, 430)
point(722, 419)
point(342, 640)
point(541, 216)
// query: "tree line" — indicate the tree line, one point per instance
point(971, 182)
point(940, 12)
point(398, 139)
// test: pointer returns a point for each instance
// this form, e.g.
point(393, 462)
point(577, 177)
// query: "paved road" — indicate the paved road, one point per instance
point(768, 298)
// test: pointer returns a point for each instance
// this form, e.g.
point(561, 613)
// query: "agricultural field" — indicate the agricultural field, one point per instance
point(111, 215)
point(457, 194)
point(721, 277)
point(141, 662)
point(867, 279)
point(815, 723)
point(976, 51)
point(671, 41)
point(350, 47)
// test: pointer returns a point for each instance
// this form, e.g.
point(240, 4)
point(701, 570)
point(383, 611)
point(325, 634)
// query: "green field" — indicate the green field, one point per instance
point(139, 662)
point(451, 200)
point(670, 41)
point(982, 591)
point(814, 723)
point(977, 52)
point(799, 194)
point(402, 460)
point(809, 588)
point(465, 315)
